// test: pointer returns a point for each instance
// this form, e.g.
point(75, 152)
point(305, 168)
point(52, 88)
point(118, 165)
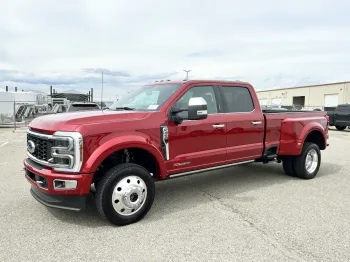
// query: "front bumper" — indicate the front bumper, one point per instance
point(43, 181)
point(75, 203)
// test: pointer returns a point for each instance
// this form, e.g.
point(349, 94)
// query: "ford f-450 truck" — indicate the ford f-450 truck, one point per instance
point(159, 131)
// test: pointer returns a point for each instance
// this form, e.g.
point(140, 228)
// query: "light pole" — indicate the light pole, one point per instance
point(186, 73)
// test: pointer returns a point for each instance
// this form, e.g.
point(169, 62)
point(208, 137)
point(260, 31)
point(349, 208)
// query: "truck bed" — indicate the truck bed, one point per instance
point(282, 110)
point(283, 129)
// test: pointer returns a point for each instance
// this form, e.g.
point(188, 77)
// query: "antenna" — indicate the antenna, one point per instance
point(102, 91)
point(187, 73)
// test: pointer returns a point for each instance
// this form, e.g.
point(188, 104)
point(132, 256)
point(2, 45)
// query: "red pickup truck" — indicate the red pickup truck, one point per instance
point(163, 130)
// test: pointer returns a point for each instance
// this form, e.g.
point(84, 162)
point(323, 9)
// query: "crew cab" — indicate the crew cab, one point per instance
point(340, 117)
point(160, 131)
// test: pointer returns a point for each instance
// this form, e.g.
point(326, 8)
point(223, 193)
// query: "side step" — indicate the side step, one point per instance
point(209, 169)
point(268, 158)
point(271, 157)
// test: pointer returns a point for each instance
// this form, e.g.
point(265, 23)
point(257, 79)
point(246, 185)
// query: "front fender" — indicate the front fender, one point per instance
point(121, 142)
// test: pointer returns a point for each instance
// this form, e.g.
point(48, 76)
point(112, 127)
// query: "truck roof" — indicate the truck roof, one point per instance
point(163, 82)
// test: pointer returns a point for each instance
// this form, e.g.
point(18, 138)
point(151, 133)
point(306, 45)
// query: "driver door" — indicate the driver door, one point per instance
point(197, 144)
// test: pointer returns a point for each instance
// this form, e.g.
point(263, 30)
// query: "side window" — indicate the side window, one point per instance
point(344, 109)
point(207, 92)
point(237, 99)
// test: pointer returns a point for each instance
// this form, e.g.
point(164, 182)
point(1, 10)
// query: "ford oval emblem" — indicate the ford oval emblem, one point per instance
point(30, 146)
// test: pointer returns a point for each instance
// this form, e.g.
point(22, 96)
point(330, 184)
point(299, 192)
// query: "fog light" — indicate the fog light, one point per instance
point(60, 184)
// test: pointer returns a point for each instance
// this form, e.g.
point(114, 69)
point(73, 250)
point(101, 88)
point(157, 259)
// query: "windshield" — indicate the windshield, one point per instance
point(146, 98)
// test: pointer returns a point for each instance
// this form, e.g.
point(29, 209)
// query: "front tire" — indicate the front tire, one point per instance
point(340, 127)
point(307, 164)
point(125, 194)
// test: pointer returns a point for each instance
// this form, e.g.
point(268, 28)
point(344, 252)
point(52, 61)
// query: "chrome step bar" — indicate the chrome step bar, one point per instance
point(209, 169)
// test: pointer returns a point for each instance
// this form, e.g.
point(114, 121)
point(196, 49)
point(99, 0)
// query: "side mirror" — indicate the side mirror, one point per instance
point(197, 108)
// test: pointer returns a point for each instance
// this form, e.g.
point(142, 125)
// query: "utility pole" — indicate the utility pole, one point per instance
point(101, 89)
point(187, 73)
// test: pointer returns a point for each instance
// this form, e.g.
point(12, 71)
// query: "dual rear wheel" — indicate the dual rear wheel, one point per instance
point(306, 165)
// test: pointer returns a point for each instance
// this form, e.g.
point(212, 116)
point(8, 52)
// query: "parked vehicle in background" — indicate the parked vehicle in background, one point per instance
point(73, 107)
point(82, 106)
point(279, 108)
point(160, 131)
point(340, 117)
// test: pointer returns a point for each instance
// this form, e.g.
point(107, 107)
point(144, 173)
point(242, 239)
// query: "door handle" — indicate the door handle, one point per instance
point(256, 122)
point(219, 126)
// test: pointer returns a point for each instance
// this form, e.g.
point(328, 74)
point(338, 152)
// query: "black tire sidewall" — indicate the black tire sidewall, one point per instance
point(340, 127)
point(300, 161)
point(107, 185)
point(288, 166)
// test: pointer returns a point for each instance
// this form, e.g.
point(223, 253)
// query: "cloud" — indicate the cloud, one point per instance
point(106, 72)
point(82, 80)
point(273, 44)
point(207, 53)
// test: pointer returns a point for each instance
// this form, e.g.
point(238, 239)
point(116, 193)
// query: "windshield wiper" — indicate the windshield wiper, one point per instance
point(125, 108)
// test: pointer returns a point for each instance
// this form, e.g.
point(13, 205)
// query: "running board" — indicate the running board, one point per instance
point(210, 169)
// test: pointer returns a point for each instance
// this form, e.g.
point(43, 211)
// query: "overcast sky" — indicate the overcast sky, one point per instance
point(269, 43)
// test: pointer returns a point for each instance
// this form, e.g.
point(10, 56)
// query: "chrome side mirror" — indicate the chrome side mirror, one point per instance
point(197, 108)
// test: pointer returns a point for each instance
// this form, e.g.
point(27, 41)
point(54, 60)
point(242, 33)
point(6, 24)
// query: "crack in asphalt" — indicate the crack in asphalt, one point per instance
point(290, 253)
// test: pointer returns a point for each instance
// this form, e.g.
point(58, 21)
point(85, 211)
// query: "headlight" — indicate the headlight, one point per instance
point(66, 151)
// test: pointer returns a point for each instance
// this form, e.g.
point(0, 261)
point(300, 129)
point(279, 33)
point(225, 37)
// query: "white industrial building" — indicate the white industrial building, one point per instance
point(308, 97)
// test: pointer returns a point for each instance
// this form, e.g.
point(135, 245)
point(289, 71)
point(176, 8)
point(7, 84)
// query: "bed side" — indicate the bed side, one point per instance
point(289, 131)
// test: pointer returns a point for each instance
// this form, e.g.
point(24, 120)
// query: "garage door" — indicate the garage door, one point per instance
point(331, 100)
point(276, 101)
point(263, 102)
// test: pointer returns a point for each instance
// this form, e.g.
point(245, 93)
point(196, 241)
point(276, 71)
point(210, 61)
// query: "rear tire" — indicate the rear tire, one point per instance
point(125, 194)
point(288, 166)
point(307, 164)
point(340, 127)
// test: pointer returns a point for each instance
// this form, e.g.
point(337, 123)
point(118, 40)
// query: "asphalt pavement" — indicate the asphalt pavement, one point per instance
point(247, 213)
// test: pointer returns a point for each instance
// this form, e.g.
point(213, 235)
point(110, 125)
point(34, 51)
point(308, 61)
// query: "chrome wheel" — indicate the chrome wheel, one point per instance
point(129, 195)
point(311, 161)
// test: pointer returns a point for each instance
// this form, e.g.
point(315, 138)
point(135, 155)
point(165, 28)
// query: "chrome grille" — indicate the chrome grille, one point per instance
point(42, 147)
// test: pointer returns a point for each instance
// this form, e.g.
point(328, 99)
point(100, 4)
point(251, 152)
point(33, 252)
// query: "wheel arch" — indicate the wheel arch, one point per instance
point(138, 145)
point(315, 135)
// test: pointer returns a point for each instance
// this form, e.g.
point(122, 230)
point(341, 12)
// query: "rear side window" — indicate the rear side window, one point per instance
point(344, 108)
point(237, 99)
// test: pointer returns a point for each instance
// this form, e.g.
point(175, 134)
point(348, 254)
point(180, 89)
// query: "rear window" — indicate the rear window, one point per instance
point(237, 99)
point(343, 108)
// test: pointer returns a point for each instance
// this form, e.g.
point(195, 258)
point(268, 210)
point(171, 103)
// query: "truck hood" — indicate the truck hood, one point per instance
point(70, 121)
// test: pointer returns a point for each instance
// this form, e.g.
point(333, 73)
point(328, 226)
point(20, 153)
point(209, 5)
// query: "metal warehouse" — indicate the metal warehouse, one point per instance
point(308, 97)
